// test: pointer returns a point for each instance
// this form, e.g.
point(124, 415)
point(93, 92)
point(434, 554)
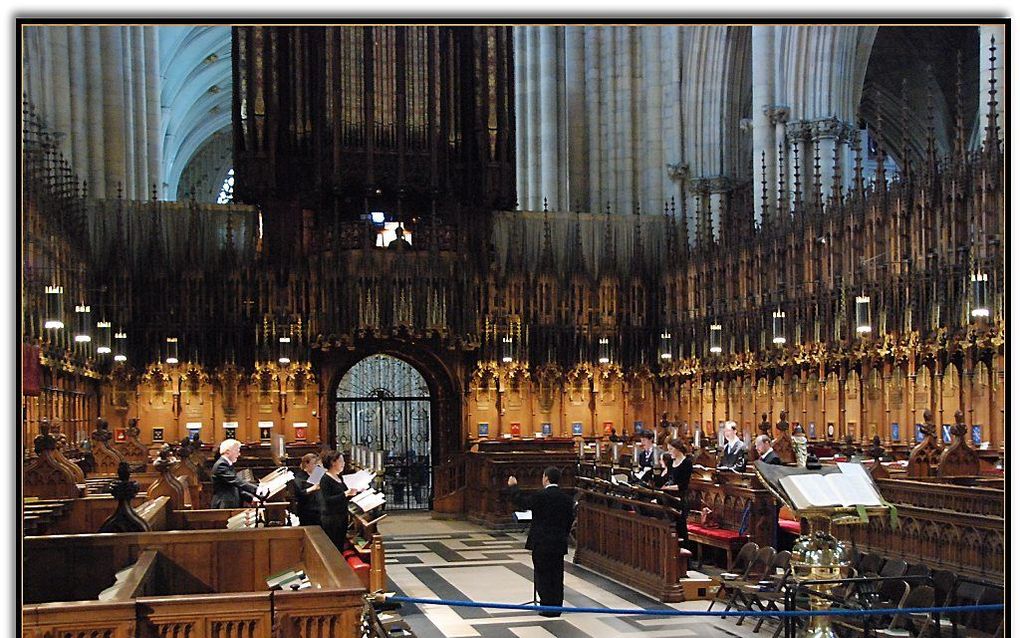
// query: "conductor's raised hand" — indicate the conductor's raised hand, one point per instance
point(512, 481)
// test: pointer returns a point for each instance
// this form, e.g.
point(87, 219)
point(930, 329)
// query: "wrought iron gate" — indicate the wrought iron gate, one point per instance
point(383, 403)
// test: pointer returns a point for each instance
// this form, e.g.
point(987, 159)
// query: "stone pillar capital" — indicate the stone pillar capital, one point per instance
point(719, 184)
point(777, 114)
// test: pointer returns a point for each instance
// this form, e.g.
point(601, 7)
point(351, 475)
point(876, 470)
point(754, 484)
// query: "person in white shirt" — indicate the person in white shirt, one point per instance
point(734, 452)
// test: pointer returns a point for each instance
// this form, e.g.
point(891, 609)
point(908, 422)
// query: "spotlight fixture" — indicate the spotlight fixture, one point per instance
point(863, 307)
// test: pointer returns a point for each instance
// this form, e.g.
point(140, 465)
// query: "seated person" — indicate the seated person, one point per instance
point(649, 455)
point(733, 454)
point(763, 446)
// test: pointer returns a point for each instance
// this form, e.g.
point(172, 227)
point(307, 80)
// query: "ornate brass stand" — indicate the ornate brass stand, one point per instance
point(819, 555)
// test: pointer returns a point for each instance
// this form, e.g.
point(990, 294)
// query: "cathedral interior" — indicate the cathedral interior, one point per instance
point(457, 253)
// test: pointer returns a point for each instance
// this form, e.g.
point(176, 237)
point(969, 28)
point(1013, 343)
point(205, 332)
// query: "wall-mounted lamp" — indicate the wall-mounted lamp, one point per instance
point(54, 307)
point(284, 345)
point(120, 346)
point(979, 295)
point(715, 338)
point(81, 324)
point(171, 350)
point(103, 329)
point(665, 346)
point(779, 327)
point(863, 313)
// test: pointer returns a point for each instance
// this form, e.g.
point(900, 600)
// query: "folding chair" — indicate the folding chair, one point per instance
point(741, 564)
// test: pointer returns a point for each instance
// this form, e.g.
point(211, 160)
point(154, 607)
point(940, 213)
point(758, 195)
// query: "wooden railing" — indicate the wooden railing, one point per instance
point(205, 584)
point(448, 482)
point(622, 535)
point(951, 527)
point(486, 499)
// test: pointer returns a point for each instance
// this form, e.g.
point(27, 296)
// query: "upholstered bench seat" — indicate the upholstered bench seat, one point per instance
point(793, 527)
point(725, 539)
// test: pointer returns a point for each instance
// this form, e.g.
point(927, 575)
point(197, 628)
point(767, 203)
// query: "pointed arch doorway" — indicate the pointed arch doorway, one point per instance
point(384, 403)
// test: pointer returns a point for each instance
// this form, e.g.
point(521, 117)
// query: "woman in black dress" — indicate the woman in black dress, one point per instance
point(306, 503)
point(333, 495)
point(677, 469)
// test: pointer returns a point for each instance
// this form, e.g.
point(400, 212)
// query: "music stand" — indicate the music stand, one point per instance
point(520, 517)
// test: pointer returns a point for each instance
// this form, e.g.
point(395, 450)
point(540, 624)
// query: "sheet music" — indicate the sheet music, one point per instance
point(523, 516)
point(317, 473)
point(276, 480)
point(360, 480)
point(368, 500)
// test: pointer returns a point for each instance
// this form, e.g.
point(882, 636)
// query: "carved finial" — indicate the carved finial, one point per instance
point(904, 132)
point(992, 129)
point(929, 138)
point(782, 209)
point(960, 145)
point(796, 180)
point(817, 190)
point(858, 167)
point(764, 190)
point(880, 170)
point(837, 177)
point(545, 204)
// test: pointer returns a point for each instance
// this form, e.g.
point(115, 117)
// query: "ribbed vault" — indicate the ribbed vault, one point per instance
point(196, 95)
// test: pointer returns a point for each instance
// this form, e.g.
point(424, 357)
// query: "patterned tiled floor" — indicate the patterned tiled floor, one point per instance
point(456, 560)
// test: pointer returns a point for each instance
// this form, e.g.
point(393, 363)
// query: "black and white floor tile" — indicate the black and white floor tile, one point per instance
point(455, 560)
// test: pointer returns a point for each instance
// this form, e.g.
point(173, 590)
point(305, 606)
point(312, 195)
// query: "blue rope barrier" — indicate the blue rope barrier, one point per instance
point(693, 612)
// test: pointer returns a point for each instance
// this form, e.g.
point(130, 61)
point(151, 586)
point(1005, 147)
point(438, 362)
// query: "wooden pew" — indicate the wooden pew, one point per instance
point(485, 498)
point(729, 495)
point(196, 583)
point(630, 535)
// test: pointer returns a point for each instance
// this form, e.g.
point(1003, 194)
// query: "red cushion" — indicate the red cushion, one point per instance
point(716, 532)
point(357, 564)
point(789, 526)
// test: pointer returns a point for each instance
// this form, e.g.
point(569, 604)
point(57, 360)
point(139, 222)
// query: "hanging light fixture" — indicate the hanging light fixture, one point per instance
point(979, 295)
point(665, 346)
point(779, 327)
point(603, 349)
point(54, 306)
point(120, 346)
point(508, 349)
point(171, 350)
point(103, 329)
point(863, 308)
point(715, 338)
point(285, 347)
point(81, 324)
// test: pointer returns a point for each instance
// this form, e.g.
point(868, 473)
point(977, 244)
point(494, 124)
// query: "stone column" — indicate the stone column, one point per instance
point(593, 84)
point(112, 110)
point(534, 123)
point(96, 161)
point(763, 128)
point(152, 107)
point(521, 81)
point(548, 53)
point(625, 104)
point(575, 87)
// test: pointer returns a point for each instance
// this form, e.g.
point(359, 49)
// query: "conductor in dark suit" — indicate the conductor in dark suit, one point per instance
point(552, 514)
point(766, 454)
point(227, 486)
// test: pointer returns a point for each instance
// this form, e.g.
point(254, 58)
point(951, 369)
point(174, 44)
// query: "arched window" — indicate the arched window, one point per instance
point(227, 190)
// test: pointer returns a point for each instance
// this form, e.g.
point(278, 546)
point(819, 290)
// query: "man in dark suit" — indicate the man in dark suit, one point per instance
point(734, 452)
point(227, 486)
point(552, 514)
point(763, 446)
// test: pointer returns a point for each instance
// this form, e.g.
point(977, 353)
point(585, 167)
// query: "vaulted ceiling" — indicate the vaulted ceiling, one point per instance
point(196, 89)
